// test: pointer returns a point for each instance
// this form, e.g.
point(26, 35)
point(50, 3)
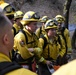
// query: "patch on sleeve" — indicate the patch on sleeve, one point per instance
point(22, 43)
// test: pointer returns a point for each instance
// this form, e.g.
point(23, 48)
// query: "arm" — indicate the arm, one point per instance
point(42, 59)
point(68, 40)
point(63, 48)
point(38, 32)
point(20, 45)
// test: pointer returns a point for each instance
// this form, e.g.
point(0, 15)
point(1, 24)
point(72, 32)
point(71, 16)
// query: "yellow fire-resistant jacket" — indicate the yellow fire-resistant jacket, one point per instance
point(68, 69)
point(61, 41)
point(40, 31)
point(20, 71)
point(17, 28)
point(68, 39)
point(22, 47)
point(53, 47)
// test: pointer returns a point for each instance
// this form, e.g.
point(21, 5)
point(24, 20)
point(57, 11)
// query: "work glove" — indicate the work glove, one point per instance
point(58, 61)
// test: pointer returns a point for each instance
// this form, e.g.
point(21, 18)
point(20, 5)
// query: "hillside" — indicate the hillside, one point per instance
point(45, 7)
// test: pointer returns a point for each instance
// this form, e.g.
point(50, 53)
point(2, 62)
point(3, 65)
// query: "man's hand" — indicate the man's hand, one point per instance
point(48, 62)
point(31, 49)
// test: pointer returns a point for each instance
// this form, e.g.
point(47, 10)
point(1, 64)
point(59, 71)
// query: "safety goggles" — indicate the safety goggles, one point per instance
point(51, 24)
point(34, 16)
point(20, 15)
point(9, 9)
point(59, 19)
point(44, 20)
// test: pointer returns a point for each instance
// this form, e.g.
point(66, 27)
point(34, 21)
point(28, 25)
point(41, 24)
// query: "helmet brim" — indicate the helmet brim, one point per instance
point(31, 20)
point(28, 21)
point(24, 22)
point(12, 13)
point(55, 27)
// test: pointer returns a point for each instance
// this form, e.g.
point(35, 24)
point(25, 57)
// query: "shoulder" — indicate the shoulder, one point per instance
point(43, 37)
point(14, 25)
point(38, 29)
point(19, 35)
point(68, 69)
point(66, 30)
point(22, 71)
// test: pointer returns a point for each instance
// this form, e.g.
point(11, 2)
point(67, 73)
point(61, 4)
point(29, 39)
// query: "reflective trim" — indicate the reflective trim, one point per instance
point(42, 59)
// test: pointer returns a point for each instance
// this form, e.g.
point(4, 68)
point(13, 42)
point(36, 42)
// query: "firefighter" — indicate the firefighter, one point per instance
point(9, 10)
point(51, 49)
point(26, 41)
point(64, 32)
point(7, 67)
point(18, 15)
point(41, 31)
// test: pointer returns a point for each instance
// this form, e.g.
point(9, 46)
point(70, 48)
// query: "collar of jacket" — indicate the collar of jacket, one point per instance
point(16, 26)
point(3, 58)
point(27, 32)
point(43, 28)
point(51, 41)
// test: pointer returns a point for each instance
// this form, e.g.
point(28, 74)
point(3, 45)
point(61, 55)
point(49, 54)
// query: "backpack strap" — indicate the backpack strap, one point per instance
point(62, 33)
point(45, 44)
point(14, 54)
point(45, 41)
point(14, 31)
point(40, 30)
point(59, 40)
point(6, 67)
point(26, 37)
